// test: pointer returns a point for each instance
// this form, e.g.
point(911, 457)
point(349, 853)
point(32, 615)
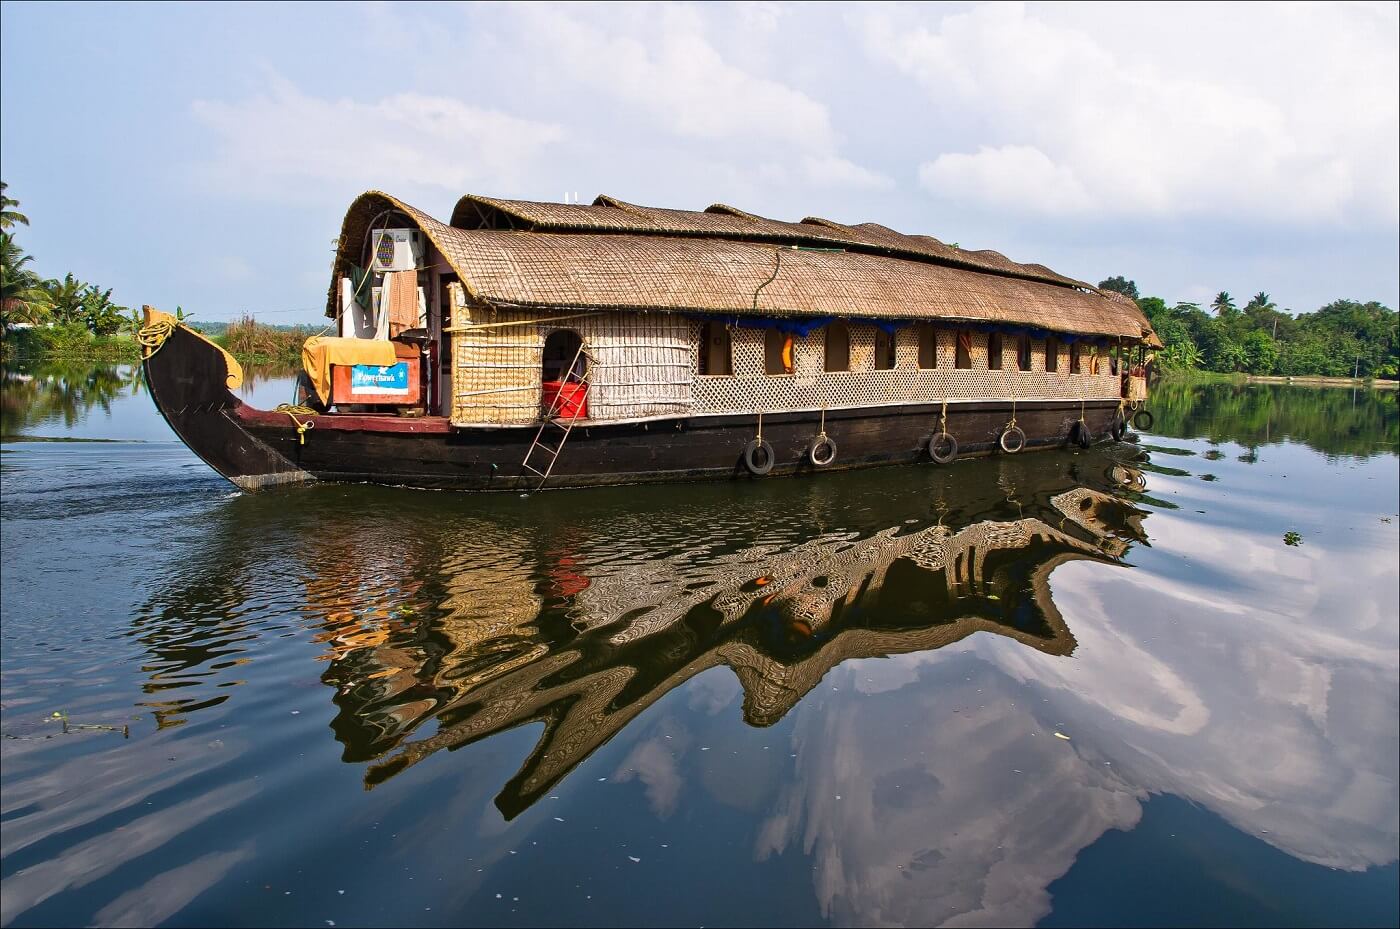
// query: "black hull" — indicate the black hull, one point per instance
point(256, 448)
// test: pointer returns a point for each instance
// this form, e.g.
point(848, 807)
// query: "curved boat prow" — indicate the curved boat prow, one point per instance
point(191, 380)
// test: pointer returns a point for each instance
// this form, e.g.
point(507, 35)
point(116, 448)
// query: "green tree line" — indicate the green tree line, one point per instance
point(25, 297)
point(1345, 338)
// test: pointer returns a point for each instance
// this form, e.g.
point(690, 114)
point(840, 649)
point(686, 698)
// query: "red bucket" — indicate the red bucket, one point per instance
point(572, 397)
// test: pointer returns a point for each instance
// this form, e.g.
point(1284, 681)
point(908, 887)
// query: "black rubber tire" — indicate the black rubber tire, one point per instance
point(942, 448)
point(759, 457)
point(822, 451)
point(1143, 420)
point(1081, 434)
point(1017, 437)
point(1119, 427)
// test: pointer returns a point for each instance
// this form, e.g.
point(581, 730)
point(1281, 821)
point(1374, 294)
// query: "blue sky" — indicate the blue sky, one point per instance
point(204, 155)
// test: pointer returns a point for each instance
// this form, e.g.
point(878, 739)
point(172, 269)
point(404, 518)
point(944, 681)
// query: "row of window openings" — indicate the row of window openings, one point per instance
point(717, 358)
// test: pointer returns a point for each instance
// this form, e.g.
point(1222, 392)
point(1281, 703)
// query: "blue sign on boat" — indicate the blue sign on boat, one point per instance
point(388, 379)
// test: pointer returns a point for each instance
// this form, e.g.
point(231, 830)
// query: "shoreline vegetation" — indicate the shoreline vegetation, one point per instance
point(1344, 339)
point(71, 320)
point(253, 343)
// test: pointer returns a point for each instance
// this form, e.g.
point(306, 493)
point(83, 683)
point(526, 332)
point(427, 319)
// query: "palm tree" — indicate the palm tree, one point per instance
point(1222, 303)
point(66, 299)
point(22, 296)
point(9, 217)
point(1261, 299)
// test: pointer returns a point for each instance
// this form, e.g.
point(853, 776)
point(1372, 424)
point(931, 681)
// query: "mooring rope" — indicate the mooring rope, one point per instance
point(303, 426)
point(151, 337)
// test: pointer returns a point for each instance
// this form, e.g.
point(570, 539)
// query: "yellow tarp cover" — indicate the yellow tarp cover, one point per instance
point(322, 351)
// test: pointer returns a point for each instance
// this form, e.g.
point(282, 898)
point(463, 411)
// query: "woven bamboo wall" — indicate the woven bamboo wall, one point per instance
point(642, 365)
point(812, 387)
point(496, 376)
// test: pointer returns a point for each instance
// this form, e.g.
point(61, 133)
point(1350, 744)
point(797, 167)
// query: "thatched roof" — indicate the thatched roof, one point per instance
point(613, 255)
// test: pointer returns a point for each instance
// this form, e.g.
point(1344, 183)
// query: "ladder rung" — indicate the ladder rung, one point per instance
point(536, 470)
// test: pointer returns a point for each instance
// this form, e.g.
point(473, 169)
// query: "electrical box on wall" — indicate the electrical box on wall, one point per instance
point(396, 249)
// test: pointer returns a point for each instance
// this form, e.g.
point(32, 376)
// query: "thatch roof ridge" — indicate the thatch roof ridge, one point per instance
point(610, 214)
point(639, 272)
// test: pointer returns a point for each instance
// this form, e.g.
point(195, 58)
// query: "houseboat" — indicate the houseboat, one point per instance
point(526, 345)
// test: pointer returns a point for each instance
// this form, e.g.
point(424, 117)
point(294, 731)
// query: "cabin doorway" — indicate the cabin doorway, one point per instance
point(562, 359)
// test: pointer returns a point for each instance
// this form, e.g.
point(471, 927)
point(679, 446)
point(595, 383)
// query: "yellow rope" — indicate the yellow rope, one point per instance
point(1012, 425)
point(153, 336)
point(292, 411)
point(943, 418)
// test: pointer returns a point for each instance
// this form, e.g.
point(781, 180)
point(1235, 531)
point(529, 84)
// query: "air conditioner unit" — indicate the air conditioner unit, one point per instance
point(396, 249)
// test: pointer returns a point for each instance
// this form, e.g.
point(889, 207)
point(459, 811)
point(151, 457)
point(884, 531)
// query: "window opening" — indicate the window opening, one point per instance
point(838, 346)
point(716, 350)
point(777, 352)
point(884, 350)
point(928, 346)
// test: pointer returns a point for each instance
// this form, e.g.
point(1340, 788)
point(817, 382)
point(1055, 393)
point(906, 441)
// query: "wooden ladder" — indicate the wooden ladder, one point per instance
point(564, 424)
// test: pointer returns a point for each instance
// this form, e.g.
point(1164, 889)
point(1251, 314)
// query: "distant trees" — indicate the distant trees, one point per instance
point(25, 297)
point(1120, 285)
point(72, 302)
point(1339, 339)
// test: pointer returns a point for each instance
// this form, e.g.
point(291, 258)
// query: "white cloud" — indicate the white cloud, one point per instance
point(665, 68)
point(1291, 116)
point(835, 171)
point(1009, 176)
point(286, 139)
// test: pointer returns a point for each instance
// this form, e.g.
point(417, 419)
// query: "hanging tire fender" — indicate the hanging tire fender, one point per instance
point(1119, 428)
point(1081, 434)
point(758, 457)
point(1012, 440)
point(942, 447)
point(822, 451)
point(1143, 420)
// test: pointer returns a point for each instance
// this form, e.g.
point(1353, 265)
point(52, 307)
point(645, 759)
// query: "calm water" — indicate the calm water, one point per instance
point(1061, 689)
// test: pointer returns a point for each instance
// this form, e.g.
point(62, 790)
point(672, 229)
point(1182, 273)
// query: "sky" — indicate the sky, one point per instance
point(203, 155)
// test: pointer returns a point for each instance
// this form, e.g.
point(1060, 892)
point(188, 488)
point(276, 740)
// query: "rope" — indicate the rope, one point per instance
point(943, 418)
point(760, 428)
point(1012, 424)
point(293, 410)
point(822, 434)
point(777, 263)
point(153, 336)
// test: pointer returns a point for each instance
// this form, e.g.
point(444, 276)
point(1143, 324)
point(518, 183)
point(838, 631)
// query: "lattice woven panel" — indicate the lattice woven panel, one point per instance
point(646, 365)
point(812, 387)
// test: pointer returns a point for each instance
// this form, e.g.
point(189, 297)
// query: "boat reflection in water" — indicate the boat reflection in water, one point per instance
point(591, 634)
